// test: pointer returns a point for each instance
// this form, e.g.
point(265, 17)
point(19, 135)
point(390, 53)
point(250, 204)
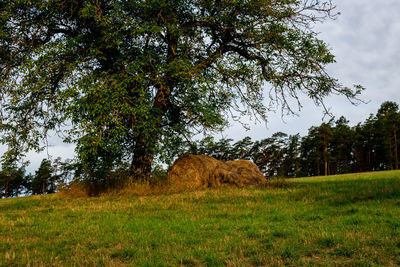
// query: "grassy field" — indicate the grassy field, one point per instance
point(351, 220)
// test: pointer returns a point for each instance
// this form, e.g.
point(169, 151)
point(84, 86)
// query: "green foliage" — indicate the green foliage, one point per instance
point(330, 148)
point(388, 118)
point(12, 180)
point(340, 220)
point(124, 79)
point(43, 180)
point(47, 178)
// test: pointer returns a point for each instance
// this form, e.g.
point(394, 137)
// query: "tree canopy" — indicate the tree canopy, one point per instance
point(126, 80)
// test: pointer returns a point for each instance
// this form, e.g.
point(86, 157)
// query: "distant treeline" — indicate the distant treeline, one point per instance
point(333, 147)
point(14, 181)
point(330, 148)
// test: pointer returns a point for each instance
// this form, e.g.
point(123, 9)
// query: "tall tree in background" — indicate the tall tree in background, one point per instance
point(276, 152)
point(311, 152)
point(261, 155)
point(388, 123)
point(42, 180)
point(292, 156)
point(325, 137)
point(342, 146)
point(367, 148)
point(130, 76)
point(12, 179)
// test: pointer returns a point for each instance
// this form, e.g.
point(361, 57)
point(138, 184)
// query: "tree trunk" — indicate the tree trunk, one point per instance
point(297, 163)
point(52, 185)
point(337, 166)
point(396, 156)
point(369, 157)
point(145, 146)
point(276, 162)
point(142, 160)
point(390, 154)
point(6, 193)
point(326, 159)
point(264, 165)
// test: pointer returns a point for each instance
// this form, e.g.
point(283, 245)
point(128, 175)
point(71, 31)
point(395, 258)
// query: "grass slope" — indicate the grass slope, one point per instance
point(340, 220)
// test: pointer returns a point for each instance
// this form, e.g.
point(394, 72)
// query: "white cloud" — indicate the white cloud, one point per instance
point(365, 39)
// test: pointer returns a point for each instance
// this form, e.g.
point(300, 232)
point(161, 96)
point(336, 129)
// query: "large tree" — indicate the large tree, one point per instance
point(129, 76)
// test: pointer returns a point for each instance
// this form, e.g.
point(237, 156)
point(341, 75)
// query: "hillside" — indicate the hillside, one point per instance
point(349, 219)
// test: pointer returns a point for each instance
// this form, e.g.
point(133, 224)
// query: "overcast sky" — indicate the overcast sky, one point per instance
point(365, 39)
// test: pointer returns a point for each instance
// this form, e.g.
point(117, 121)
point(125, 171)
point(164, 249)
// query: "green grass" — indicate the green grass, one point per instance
point(351, 220)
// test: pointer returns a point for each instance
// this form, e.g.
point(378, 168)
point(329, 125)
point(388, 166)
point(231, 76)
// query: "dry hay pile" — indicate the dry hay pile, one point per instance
point(200, 171)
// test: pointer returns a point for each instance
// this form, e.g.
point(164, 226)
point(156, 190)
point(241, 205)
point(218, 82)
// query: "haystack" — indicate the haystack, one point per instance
point(200, 171)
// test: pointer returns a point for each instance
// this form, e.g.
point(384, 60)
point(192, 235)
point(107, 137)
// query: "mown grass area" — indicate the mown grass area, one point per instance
point(347, 220)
